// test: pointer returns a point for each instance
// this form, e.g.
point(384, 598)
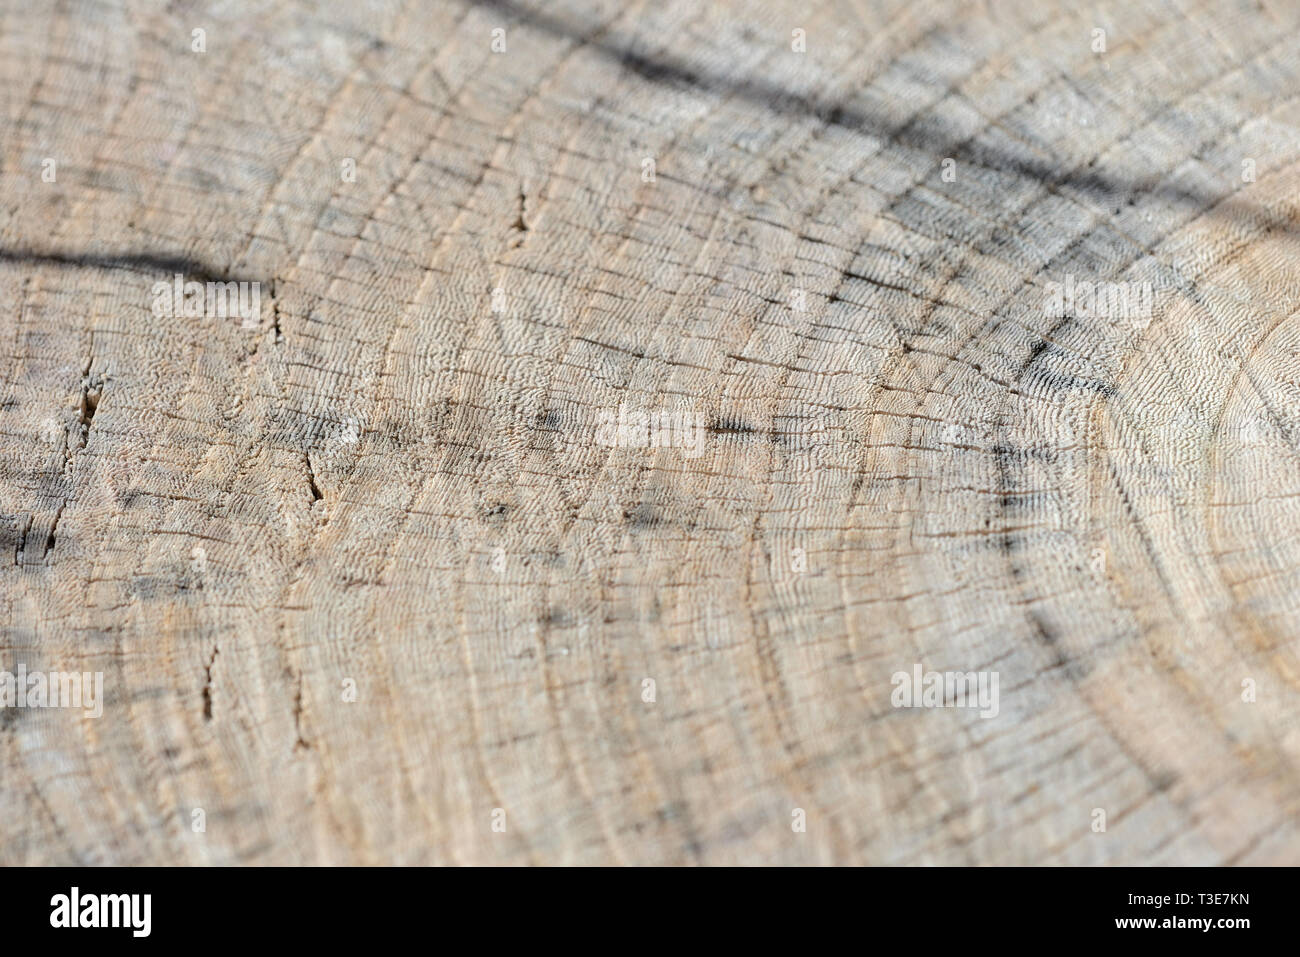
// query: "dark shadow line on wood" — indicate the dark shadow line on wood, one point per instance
point(668, 71)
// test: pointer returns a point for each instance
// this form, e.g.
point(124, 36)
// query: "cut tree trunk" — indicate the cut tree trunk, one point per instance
point(625, 410)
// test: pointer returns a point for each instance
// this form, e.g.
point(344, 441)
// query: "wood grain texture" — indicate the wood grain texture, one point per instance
point(393, 477)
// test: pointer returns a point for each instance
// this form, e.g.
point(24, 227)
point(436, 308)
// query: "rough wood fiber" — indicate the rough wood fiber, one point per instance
point(392, 479)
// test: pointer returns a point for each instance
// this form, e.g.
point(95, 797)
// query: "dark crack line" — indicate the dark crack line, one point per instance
point(193, 269)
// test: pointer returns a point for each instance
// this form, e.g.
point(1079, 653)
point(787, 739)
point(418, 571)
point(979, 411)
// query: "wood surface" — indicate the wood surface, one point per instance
point(392, 480)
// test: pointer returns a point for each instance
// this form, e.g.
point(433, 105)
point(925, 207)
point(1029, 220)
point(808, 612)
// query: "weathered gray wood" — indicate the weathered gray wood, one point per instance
point(394, 476)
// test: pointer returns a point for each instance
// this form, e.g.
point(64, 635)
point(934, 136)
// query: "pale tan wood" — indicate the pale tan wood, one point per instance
point(395, 485)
